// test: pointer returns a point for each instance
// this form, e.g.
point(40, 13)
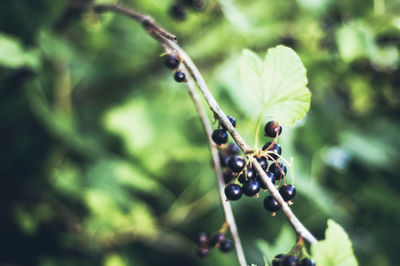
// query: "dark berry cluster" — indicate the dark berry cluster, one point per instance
point(172, 62)
point(225, 154)
point(247, 180)
point(272, 152)
point(289, 260)
point(247, 176)
point(220, 136)
point(178, 12)
point(217, 239)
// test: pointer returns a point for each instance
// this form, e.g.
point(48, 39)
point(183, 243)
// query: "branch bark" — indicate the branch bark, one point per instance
point(169, 42)
point(230, 219)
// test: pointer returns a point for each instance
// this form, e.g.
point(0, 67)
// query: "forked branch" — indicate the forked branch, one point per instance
point(169, 42)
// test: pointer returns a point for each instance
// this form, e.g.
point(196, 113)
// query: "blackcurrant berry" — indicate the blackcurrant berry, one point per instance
point(228, 175)
point(233, 192)
point(226, 245)
point(249, 174)
point(277, 170)
point(171, 61)
point(270, 175)
point(270, 204)
point(251, 187)
point(232, 149)
point(227, 160)
point(202, 238)
point(203, 252)
point(275, 149)
point(307, 262)
point(289, 261)
point(215, 239)
point(277, 260)
point(224, 158)
point(219, 136)
point(242, 178)
point(287, 192)
point(272, 129)
point(232, 120)
point(179, 76)
point(177, 12)
point(263, 162)
point(236, 163)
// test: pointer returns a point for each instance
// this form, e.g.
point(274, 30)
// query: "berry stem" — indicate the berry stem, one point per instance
point(297, 249)
point(224, 227)
point(266, 153)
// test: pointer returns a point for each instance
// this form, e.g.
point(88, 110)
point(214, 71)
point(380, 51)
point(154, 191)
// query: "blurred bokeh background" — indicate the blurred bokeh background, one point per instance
point(104, 160)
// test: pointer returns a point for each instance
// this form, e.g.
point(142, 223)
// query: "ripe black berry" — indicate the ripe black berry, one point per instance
point(226, 245)
point(227, 159)
point(277, 260)
point(203, 252)
point(232, 120)
point(307, 262)
point(287, 192)
point(270, 204)
point(270, 175)
point(277, 170)
point(249, 174)
point(236, 163)
point(263, 162)
point(272, 129)
point(232, 149)
point(289, 261)
point(177, 12)
point(251, 187)
point(171, 61)
point(224, 158)
point(215, 239)
point(275, 149)
point(202, 238)
point(219, 136)
point(228, 175)
point(233, 192)
point(242, 178)
point(179, 76)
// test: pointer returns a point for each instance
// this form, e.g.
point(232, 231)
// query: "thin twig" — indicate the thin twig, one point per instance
point(230, 219)
point(169, 43)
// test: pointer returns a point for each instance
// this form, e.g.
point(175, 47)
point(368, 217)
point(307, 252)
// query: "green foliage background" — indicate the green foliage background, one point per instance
point(104, 160)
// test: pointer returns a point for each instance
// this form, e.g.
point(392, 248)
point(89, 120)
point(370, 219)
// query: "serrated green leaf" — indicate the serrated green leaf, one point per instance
point(336, 249)
point(275, 87)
